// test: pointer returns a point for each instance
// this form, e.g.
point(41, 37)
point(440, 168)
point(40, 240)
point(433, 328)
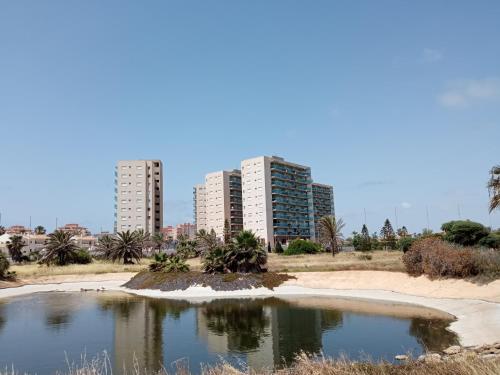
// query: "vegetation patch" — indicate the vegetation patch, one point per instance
point(300, 246)
point(437, 258)
point(168, 282)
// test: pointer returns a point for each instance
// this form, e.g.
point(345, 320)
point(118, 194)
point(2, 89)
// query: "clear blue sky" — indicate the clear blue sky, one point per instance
point(395, 103)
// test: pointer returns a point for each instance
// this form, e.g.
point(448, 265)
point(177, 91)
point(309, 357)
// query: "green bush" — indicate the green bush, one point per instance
point(159, 262)
point(81, 256)
point(491, 241)
point(464, 232)
point(4, 265)
point(176, 264)
point(405, 243)
point(279, 248)
point(299, 246)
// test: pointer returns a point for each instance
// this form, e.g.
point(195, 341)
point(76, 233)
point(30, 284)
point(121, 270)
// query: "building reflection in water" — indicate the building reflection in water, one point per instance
point(138, 329)
point(267, 332)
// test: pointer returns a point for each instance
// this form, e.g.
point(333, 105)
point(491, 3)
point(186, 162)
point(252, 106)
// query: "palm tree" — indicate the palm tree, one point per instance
point(60, 247)
point(2, 230)
point(15, 246)
point(127, 246)
point(159, 240)
point(494, 188)
point(40, 230)
point(331, 232)
point(247, 254)
point(144, 237)
point(105, 246)
point(205, 241)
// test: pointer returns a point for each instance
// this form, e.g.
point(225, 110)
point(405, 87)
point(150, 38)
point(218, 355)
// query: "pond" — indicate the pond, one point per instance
point(41, 332)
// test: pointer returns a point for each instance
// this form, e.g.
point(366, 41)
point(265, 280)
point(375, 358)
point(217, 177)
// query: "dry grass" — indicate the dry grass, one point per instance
point(306, 366)
point(381, 261)
point(96, 267)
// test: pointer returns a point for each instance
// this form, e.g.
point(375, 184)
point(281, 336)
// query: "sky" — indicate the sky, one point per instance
point(395, 103)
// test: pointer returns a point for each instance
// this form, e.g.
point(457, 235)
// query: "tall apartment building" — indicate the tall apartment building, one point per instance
point(199, 207)
point(323, 203)
point(139, 195)
point(277, 199)
point(221, 195)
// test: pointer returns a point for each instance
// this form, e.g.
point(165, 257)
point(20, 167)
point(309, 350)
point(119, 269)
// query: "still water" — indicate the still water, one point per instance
point(41, 332)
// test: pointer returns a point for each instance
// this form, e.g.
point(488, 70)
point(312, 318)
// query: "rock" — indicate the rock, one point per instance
point(421, 358)
point(432, 357)
point(401, 357)
point(455, 349)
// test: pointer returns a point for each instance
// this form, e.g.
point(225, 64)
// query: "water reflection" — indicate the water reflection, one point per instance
point(3, 317)
point(261, 332)
point(432, 334)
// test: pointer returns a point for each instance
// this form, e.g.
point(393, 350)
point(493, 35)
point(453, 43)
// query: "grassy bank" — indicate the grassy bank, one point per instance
point(96, 267)
point(305, 366)
point(380, 261)
point(374, 261)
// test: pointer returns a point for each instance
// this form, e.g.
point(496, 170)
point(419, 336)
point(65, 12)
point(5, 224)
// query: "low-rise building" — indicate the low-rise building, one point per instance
point(75, 229)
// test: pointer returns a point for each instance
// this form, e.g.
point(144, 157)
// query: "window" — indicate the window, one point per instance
point(124, 218)
point(139, 192)
point(124, 184)
point(124, 201)
point(138, 217)
point(139, 184)
point(138, 209)
point(139, 167)
point(139, 175)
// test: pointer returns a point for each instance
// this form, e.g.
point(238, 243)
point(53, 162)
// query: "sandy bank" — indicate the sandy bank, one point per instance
point(476, 307)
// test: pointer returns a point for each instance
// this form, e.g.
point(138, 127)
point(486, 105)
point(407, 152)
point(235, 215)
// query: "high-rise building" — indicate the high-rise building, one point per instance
point(277, 199)
point(221, 195)
point(139, 195)
point(199, 207)
point(323, 203)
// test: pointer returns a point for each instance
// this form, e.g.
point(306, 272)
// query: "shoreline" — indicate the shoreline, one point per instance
point(477, 319)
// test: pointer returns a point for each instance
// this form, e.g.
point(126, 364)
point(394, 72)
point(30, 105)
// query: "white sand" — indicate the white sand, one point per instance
point(478, 320)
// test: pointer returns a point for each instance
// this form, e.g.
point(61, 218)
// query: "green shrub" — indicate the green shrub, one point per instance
point(436, 258)
point(279, 248)
point(405, 243)
point(464, 232)
point(81, 256)
point(300, 246)
point(214, 260)
point(176, 264)
point(4, 265)
point(159, 262)
point(491, 241)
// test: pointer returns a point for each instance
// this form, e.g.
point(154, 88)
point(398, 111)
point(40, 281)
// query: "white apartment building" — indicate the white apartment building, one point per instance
point(222, 198)
point(199, 206)
point(277, 199)
point(139, 195)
